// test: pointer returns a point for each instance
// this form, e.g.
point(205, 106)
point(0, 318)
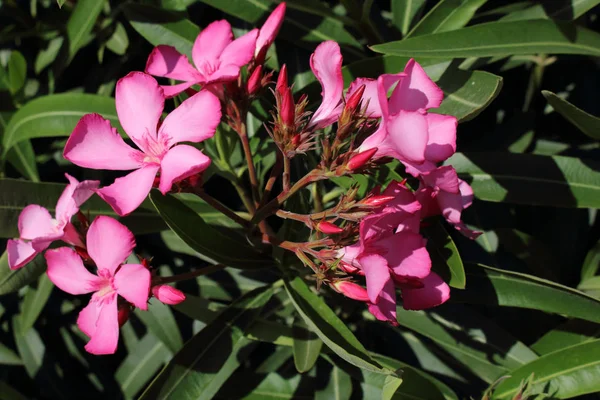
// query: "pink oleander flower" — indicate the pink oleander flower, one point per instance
point(37, 228)
point(407, 131)
point(326, 64)
point(109, 243)
point(167, 294)
point(95, 144)
point(268, 32)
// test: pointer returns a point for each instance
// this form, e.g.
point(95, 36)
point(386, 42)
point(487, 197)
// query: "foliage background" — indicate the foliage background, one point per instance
point(535, 175)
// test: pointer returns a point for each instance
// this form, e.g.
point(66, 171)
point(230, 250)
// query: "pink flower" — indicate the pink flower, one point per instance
point(268, 32)
point(95, 144)
point(168, 294)
point(217, 58)
point(109, 243)
point(37, 228)
point(326, 64)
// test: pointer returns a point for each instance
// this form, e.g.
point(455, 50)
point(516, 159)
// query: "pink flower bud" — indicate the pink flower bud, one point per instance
point(255, 80)
point(288, 109)
point(354, 99)
point(361, 159)
point(328, 228)
point(282, 81)
point(351, 290)
point(376, 201)
point(168, 294)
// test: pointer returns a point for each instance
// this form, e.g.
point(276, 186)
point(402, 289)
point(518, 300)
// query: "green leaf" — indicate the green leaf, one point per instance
point(443, 251)
point(159, 26)
point(213, 244)
point(11, 281)
point(591, 264)
point(499, 38)
point(30, 346)
point(21, 156)
point(16, 72)
point(563, 374)
point(572, 332)
point(199, 369)
point(34, 301)
point(160, 321)
point(8, 357)
point(567, 10)
point(586, 123)
point(339, 386)
point(307, 347)
point(7, 392)
point(118, 41)
point(446, 15)
point(390, 387)
point(60, 3)
point(55, 115)
point(47, 55)
point(141, 364)
point(530, 179)
point(405, 13)
point(81, 22)
point(333, 332)
point(495, 286)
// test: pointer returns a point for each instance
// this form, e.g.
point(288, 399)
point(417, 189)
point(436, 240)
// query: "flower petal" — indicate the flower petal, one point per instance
point(128, 192)
point(377, 274)
point(140, 103)
point(195, 119)
point(95, 144)
point(174, 90)
point(416, 91)
point(106, 337)
point(326, 64)
point(385, 309)
point(36, 222)
point(408, 135)
point(269, 30)
point(450, 205)
point(371, 93)
point(132, 281)
point(433, 293)
point(109, 243)
point(66, 270)
point(406, 254)
point(211, 42)
point(225, 73)
point(241, 50)
point(443, 178)
point(179, 163)
point(88, 317)
point(74, 195)
point(168, 62)
point(20, 253)
point(442, 137)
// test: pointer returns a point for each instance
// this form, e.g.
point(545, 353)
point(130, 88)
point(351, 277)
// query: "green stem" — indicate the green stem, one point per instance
point(243, 134)
point(217, 205)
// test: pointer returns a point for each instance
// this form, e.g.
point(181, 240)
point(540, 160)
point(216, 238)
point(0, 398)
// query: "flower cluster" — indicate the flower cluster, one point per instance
point(356, 132)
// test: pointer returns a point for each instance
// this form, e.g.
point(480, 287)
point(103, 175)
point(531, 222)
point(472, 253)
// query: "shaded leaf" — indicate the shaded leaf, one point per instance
point(80, 23)
point(570, 333)
point(11, 281)
point(406, 13)
point(562, 10)
point(118, 41)
point(34, 301)
point(8, 357)
point(160, 321)
point(585, 122)
point(307, 347)
point(443, 251)
point(21, 156)
point(446, 15)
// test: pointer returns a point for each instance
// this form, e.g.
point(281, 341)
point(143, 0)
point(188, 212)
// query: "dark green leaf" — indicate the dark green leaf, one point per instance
point(567, 10)
point(444, 255)
point(118, 41)
point(494, 286)
point(34, 301)
point(585, 122)
point(16, 72)
point(199, 369)
point(213, 244)
point(591, 264)
point(563, 374)
point(339, 386)
point(21, 156)
point(447, 15)
point(7, 392)
point(11, 281)
point(575, 331)
point(8, 357)
point(81, 22)
point(499, 38)
point(47, 56)
point(307, 347)
point(60, 2)
point(160, 321)
point(405, 13)
point(530, 179)
point(30, 346)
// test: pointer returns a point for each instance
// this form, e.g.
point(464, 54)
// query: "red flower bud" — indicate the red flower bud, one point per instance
point(255, 80)
point(168, 294)
point(354, 99)
point(288, 109)
point(376, 201)
point(351, 290)
point(361, 159)
point(296, 141)
point(282, 81)
point(328, 228)
point(123, 313)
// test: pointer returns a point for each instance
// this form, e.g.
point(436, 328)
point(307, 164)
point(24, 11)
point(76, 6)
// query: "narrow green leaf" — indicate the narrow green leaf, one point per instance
point(7, 392)
point(307, 347)
point(530, 179)
point(160, 321)
point(49, 54)
point(199, 369)
point(339, 386)
point(495, 286)
point(55, 115)
point(30, 346)
point(405, 13)
point(159, 26)
point(586, 123)
point(499, 38)
point(390, 387)
point(573, 371)
point(446, 15)
point(21, 156)
point(34, 301)
point(214, 245)
point(572, 332)
point(81, 22)
point(333, 332)
point(17, 71)
point(8, 357)
point(567, 10)
point(591, 264)
point(60, 3)
point(11, 281)
point(444, 255)
point(118, 41)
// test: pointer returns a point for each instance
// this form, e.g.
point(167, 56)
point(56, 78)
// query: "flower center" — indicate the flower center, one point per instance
point(154, 148)
point(207, 68)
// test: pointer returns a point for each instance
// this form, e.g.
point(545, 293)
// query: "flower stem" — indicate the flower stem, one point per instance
point(193, 274)
point(272, 179)
point(243, 134)
point(217, 205)
point(286, 173)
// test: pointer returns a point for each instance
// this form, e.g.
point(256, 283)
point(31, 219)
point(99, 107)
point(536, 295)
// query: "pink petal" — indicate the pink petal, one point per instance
point(128, 192)
point(269, 31)
point(407, 134)
point(225, 73)
point(451, 206)
point(376, 272)
point(88, 317)
point(174, 90)
point(406, 254)
point(417, 170)
point(466, 193)
point(74, 195)
point(20, 253)
point(404, 199)
point(106, 337)
point(36, 222)
point(426, 196)
point(416, 91)
point(385, 309)
point(109, 243)
point(442, 137)
point(326, 64)
point(443, 178)
point(179, 163)
point(140, 103)
point(375, 141)
point(66, 270)
point(433, 293)
point(349, 253)
point(241, 50)
point(132, 281)
point(211, 42)
point(370, 95)
point(168, 62)
point(95, 144)
point(195, 119)
point(72, 236)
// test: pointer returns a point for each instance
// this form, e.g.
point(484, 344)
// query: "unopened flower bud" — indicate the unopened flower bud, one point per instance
point(351, 290)
point(168, 294)
point(361, 159)
point(296, 140)
point(288, 109)
point(354, 99)
point(376, 201)
point(282, 81)
point(255, 80)
point(328, 228)
point(123, 313)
